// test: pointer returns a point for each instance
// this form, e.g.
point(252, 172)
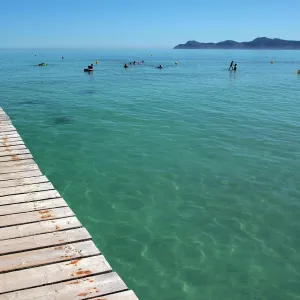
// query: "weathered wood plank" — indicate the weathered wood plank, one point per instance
point(30, 188)
point(18, 169)
point(9, 138)
point(38, 228)
point(50, 274)
point(34, 196)
point(23, 181)
point(13, 152)
point(10, 142)
point(15, 157)
point(94, 286)
point(46, 256)
point(11, 148)
point(31, 206)
point(9, 135)
point(22, 174)
point(13, 143)
point(35, 216)
point(14, 161)
point(4, 117)
point(127, 295)
point(44, 240)
point(5, 123)
point(7, 128)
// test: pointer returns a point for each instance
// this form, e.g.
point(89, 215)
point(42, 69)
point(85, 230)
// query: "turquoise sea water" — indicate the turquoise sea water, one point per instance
point(187, 177)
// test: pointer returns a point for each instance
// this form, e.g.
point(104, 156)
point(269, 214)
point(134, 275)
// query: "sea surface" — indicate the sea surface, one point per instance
point(188, 178)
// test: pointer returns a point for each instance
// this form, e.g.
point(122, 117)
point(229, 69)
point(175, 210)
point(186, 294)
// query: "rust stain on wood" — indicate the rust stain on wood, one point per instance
point(47, 217)
point(79, 273)
point(74, 262)
point(45, 211)
point(15, 157)
point(59, 248)
point(82, 294)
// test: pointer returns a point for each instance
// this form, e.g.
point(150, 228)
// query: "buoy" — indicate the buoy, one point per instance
point(176, 63)
point(272, 62)
point(298, 72)
point(96, 62)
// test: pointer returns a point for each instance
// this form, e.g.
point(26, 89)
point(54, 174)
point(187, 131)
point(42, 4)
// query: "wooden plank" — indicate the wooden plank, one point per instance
point(30, 188)
point(7, 128)
point(4, 117)
point(9, 135)
point(31, 206)
point(23, 181)
point(18, 169)
point(15, 157)
point(127, 295)
point(46, 256)
point(50, 274)
point(34, 242)
point(5, 123)
point(11, 148)
point(34, 196)
point(13, 152)
point(38, 228)
point(35, 216)
point(94, 286)
point(15, 161)
point(4, 142)
point(5, 138)
point(21, 174)
point(13, 143)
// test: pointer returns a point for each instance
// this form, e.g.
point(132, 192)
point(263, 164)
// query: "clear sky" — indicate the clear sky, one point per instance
point(142, 23)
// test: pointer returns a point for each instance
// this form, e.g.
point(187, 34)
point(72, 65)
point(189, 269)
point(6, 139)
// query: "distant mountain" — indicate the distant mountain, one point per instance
point(258, 43)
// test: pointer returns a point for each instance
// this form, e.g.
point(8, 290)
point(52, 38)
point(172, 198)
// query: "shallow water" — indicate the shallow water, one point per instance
point(187, 177)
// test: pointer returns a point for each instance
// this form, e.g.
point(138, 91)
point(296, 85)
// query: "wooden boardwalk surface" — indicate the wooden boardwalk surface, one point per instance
point(45, 253)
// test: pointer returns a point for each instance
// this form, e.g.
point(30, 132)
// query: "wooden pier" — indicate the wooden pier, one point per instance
point(45, 253)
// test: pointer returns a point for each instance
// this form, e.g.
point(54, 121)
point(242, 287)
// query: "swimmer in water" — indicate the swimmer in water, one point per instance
point(234, 68)
point(125, 66)
point(160, 67)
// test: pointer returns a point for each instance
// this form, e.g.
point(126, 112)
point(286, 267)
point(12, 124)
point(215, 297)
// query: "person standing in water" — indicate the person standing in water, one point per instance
point(231, 65)
point(234, 68)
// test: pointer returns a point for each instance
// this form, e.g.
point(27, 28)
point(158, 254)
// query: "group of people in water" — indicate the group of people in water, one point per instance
point(139, 63)
point(133, 63)
point(90, 68)
point(232, 66)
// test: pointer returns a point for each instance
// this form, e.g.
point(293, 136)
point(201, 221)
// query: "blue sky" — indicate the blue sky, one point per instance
point(142, 23)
